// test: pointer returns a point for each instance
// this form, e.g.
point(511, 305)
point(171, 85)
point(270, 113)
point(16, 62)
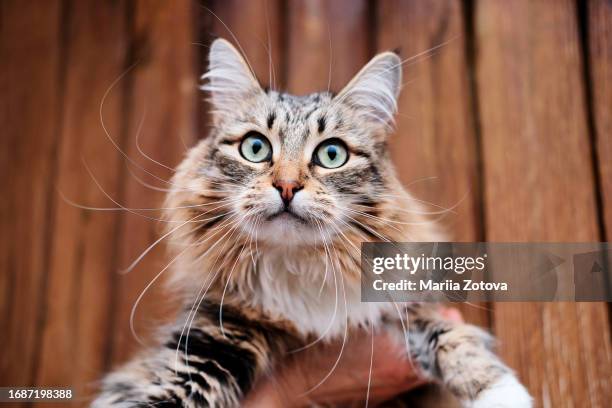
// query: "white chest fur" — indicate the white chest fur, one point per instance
point(312, 294)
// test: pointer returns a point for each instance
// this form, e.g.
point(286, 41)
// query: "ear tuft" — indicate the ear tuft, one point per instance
point(375, 89)
point(229, 78)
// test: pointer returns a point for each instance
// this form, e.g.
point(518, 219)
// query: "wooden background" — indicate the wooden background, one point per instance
point(509, 117)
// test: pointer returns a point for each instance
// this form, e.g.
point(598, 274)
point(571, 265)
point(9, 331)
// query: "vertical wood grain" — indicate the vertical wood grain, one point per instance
point(599, 26)
point(600, 47)
point(32, 69)
point(539, 187)
point(435, 145)
point(82, 268)
point(162, 125)
point(328, 42)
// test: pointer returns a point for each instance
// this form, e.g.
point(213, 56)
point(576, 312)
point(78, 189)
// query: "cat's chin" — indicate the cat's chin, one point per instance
point(287, 229)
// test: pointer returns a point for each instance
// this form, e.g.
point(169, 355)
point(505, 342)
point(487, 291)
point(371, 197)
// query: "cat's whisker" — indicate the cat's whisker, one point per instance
point(255, 227)
point(199, 299)
point(343, 238)
point(257, 242)
point(271, 73)
point(357, 251)
point(89, 208)
point(366, 227)
point(388, 222)
point(244, 55)
point(220, 219)
point(444, 209)
point(142, 293)
point(258, 221)
point(229, 278)
point(154, 244)
point(235, 222)
point(174, 188)
point(424, 54)
point(421, 180)
point(405, 62)
point(95, 180)
point(329, 74)
point(344, 338)
point(148, 185)
point(385, 221)
point(225, 184)
point(208, 283)
point(120, 206)
point(107, 132)
point(139, 148)
point(172, 231)
point(405, 327)
point(403, 197)
point(411, 211)
point(379, 235)
point(367, 400)
point(334, 313)
point(197, 303)
point(324, 280)
point(232, 223)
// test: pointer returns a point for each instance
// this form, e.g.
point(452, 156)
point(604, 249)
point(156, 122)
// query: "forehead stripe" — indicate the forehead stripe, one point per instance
point(271, 119)
point(322, 124)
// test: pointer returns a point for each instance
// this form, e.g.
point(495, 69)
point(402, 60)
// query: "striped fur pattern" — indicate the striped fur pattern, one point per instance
point(260, 276)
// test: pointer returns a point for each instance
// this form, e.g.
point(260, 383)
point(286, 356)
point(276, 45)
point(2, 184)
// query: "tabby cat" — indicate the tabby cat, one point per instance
point(266, 217)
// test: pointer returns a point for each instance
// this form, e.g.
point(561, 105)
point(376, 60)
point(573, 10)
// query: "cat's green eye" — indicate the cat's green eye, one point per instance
point(255, 148)
point(331, 154)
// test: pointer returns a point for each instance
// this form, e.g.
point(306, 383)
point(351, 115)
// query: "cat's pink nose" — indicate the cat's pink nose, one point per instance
point(287, 189)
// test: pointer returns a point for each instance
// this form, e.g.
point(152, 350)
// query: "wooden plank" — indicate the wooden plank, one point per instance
point(83, 265)
point(600, 63)
point(539, 187)
point(328, 42)
point(600, 58)
point(435, 140)
point(163, 106)
point(31, 87)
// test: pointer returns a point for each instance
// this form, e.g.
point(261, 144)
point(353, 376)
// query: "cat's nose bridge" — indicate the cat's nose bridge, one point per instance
point(287, 170)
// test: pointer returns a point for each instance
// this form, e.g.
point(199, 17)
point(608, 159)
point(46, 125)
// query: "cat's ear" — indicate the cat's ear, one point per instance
point(229, 78)
point(375, 89)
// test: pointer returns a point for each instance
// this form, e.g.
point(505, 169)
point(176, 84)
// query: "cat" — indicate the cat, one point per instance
point(265, 219)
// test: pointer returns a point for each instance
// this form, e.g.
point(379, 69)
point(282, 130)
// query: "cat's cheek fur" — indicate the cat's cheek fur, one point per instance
point(506, 392)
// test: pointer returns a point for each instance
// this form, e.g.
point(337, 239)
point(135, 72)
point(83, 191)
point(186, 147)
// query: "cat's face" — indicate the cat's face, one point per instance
point(287, 169)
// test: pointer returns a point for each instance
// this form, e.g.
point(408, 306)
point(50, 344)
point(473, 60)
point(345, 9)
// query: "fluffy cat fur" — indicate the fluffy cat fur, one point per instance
point(260, 277)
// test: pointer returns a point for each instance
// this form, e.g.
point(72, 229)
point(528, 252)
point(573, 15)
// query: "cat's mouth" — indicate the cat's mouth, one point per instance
point(286, 215)
point(287, 227)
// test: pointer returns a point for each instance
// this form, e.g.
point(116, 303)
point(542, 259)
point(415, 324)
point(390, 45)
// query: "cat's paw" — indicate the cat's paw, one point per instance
point(507, 392)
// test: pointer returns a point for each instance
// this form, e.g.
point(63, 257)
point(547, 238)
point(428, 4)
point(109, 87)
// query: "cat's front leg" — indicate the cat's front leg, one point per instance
point(213, 364)
point(460, 356)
